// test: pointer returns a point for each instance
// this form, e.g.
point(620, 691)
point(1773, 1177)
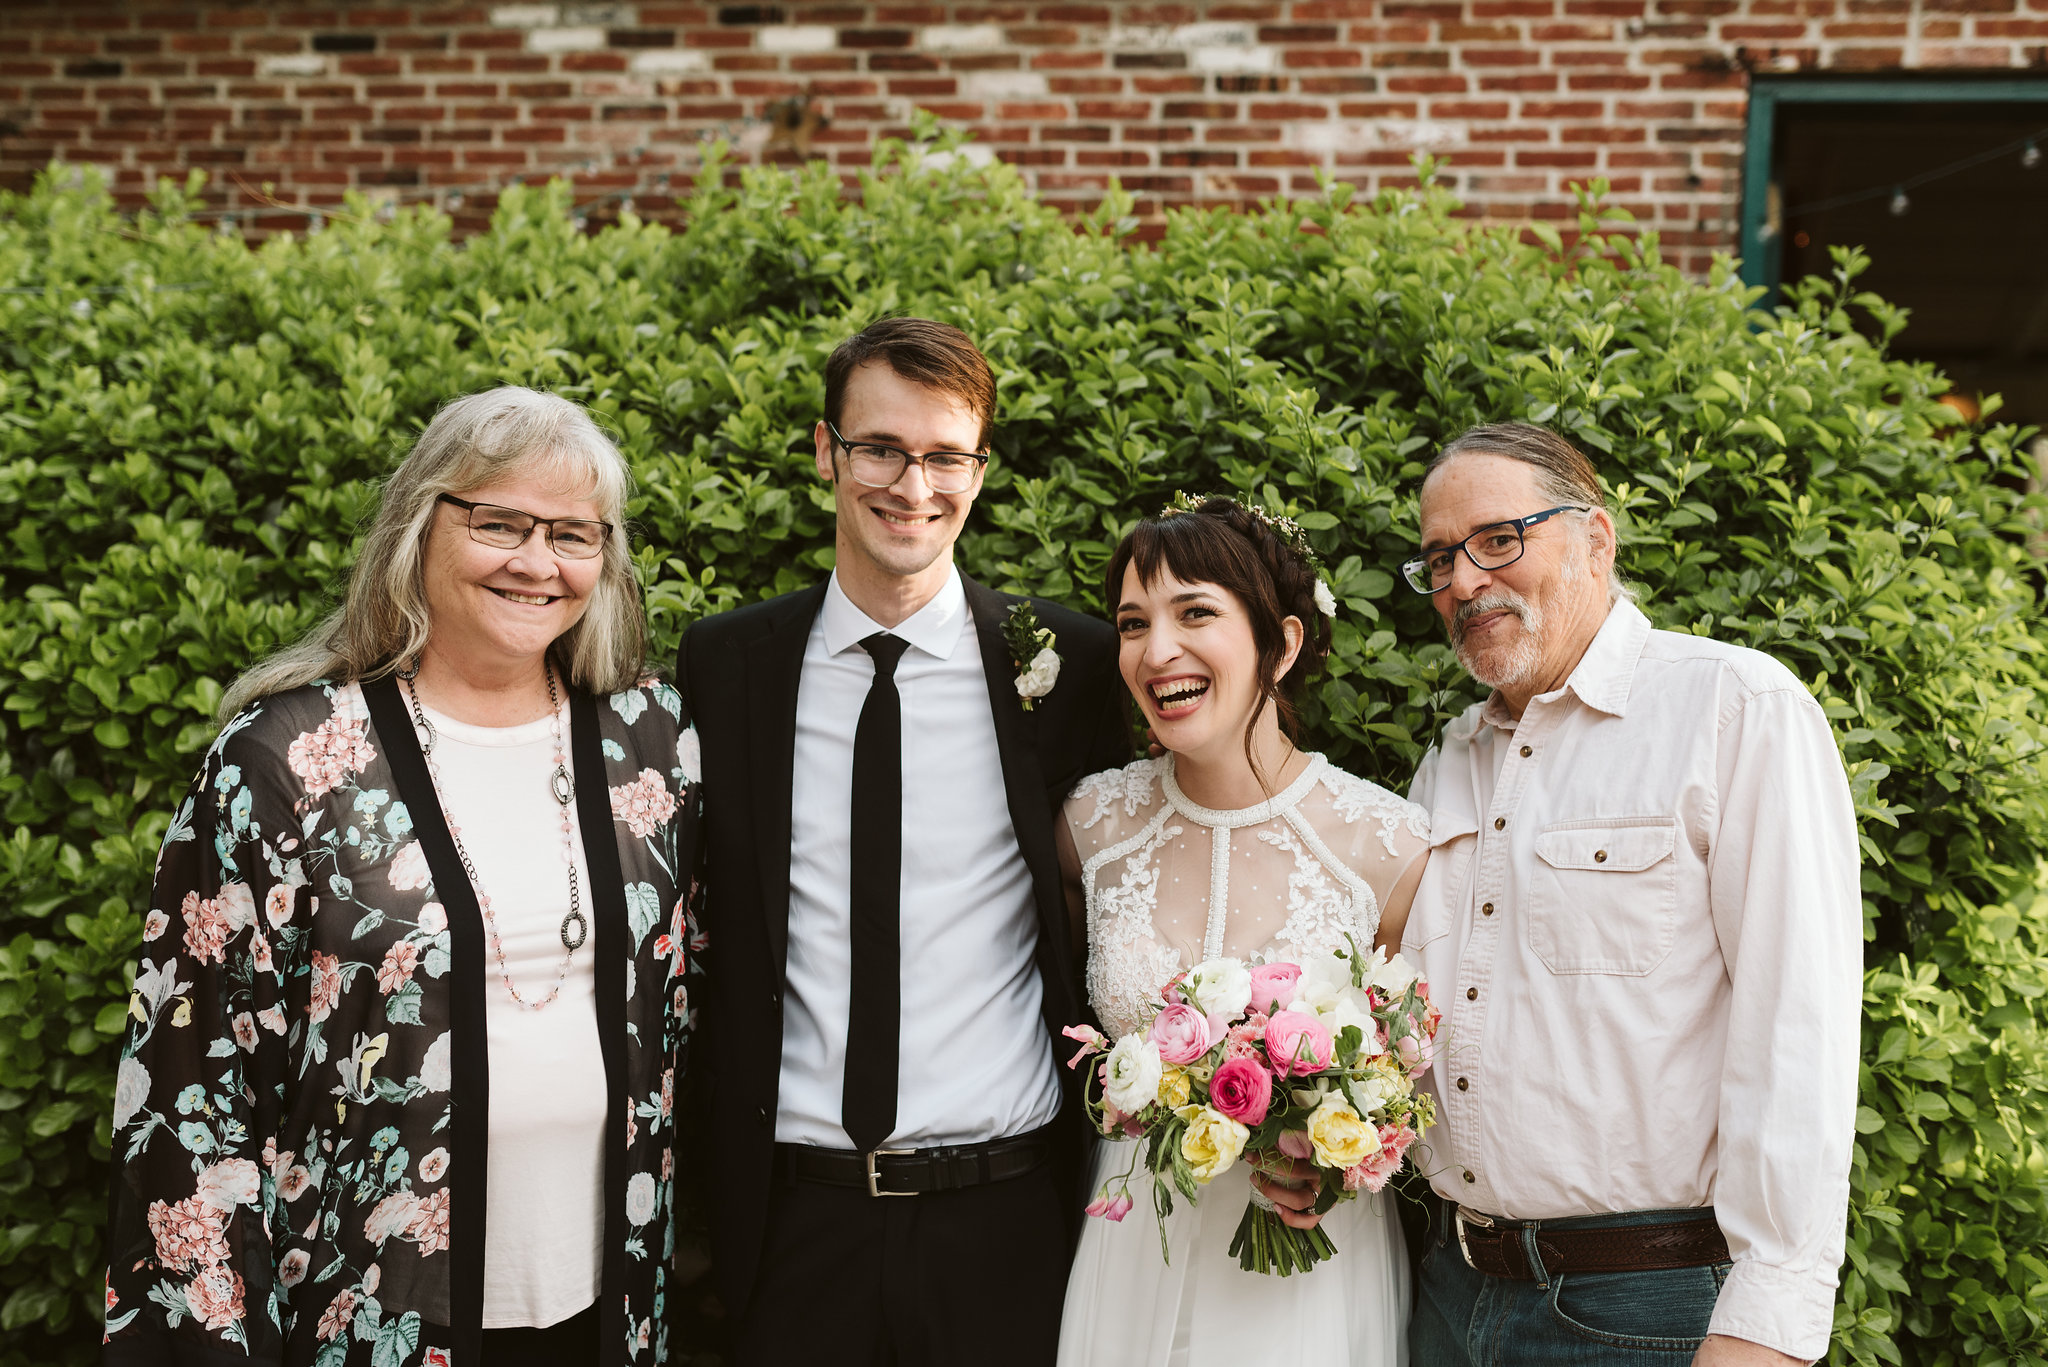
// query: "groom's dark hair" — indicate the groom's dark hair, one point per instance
point(936, 355)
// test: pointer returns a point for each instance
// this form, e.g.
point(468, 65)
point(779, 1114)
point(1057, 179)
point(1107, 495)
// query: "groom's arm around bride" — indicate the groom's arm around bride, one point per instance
point(891, 1151)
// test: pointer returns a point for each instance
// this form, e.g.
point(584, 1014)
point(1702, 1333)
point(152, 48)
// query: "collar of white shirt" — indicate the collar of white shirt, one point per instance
point(1602, 680)
point(935, 628)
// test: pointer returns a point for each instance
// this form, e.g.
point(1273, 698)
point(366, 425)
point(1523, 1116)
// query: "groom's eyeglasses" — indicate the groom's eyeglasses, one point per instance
point(1493, 547)
point(878, 466)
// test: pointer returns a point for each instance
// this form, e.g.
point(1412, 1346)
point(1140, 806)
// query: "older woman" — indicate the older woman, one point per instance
point(403, 1043)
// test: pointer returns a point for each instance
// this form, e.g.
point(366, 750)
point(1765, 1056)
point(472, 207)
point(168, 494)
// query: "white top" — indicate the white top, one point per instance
point(545, 1213)
point(1169, 883)
point(1668, 982)
point(974, 1060)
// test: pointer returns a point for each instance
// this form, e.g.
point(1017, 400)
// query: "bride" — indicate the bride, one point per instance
point(1232, 842)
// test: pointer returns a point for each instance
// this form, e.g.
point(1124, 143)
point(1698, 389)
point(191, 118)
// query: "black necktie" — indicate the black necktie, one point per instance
point(874, 1018)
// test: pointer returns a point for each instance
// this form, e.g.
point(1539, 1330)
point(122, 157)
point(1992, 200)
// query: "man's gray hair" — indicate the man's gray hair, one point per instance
point(1563, 474)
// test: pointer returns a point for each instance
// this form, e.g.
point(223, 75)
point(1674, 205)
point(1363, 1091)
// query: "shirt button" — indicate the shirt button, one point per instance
point(1526, 752)
point(1500, 823)
point(1463, 1085)
point(1469, 1177)
point(1471, 994)
point(1599, 856)
point(1486, 910)
point(764, 1115)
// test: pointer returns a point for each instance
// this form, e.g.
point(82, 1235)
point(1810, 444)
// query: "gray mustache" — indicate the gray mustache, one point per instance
point(1492, 602)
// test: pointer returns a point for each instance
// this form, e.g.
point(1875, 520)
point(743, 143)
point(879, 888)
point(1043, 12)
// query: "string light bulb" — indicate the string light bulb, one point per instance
point(2030, 158)
point(454, 201)
point(1900, 204)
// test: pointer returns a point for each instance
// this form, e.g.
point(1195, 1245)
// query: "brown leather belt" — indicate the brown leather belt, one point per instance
point(916, 1172)
point(1495, 1246)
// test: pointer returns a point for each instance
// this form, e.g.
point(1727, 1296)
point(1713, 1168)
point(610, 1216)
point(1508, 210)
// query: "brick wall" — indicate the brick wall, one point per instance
point(1191, 103)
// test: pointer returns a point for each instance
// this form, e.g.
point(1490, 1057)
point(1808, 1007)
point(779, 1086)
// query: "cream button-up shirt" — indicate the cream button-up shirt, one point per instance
point(1642, 922)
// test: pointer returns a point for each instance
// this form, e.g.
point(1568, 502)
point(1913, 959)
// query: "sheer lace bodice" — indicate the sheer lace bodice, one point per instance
point(1169, 883)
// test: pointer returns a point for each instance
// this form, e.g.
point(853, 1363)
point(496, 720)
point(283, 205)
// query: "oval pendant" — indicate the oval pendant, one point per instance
point(580, 934)
point(564, 787)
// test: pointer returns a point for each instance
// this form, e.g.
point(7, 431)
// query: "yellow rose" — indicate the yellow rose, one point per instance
point(1342, 1139)
point(1212, 1142)
point(1173, 1088)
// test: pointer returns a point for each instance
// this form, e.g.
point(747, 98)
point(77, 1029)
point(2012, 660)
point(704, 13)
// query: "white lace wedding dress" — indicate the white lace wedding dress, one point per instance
point(1169, 884)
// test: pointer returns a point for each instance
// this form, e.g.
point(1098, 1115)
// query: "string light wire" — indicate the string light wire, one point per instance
point(1895, 191)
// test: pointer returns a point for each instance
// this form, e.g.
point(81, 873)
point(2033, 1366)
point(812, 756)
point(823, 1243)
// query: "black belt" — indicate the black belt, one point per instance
point(917, 1172)
point(1493, 1245)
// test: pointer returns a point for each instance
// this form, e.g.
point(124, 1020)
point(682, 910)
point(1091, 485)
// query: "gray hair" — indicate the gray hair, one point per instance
point(1563, 474)
point(472, 442)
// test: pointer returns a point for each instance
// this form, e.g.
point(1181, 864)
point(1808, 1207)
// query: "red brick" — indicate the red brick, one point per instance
point(1302, 58)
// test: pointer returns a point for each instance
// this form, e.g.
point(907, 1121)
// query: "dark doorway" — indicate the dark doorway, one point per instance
point(1943, 194)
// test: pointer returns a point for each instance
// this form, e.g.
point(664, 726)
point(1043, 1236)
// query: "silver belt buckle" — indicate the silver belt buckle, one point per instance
point(1459, 1217)
point(875, 1178)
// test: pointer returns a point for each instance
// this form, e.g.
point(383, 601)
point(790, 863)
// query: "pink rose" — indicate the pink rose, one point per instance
point(1243, 1090)
point(1182, 1034)
point(1273, 986)
point(1298, 1044)
point(1297, 1144)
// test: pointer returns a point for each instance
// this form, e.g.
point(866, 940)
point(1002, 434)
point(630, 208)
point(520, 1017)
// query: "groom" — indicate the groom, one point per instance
point(892, 1155)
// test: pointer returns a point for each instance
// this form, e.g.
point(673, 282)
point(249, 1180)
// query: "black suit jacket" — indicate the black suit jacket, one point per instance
point(739, 673)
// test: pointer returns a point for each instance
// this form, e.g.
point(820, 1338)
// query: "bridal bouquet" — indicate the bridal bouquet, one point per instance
point(1314, 1061)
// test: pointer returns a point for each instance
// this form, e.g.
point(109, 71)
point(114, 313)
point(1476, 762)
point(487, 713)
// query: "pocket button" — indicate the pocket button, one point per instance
point(1599, 856)
point(1500, 823)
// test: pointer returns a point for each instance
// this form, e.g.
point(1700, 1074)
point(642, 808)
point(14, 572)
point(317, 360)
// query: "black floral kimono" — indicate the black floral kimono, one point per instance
point(301, 1109)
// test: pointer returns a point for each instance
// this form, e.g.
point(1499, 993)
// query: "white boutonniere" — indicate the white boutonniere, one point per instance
point(1031, 651)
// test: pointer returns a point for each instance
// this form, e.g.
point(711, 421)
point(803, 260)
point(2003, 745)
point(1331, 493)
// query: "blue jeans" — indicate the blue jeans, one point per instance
point(1465, 1318)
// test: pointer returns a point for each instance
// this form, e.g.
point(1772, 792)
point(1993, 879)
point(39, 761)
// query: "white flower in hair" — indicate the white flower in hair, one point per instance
point(1326, 601)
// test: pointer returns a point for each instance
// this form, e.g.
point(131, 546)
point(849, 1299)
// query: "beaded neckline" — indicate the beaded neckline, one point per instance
point(1230, 819)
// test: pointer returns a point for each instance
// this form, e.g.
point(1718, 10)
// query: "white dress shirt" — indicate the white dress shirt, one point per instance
point(974, 1060)
point(544, 1225)
point(1643, 925)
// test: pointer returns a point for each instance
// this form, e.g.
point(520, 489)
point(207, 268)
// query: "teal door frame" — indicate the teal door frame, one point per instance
point(1761, 253)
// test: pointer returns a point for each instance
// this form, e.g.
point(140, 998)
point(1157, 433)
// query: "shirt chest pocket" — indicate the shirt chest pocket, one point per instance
point(1603, 897)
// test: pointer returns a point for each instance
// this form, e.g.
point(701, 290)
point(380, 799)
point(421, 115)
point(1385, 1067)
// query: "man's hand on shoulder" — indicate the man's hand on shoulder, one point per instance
point(1720, 1350)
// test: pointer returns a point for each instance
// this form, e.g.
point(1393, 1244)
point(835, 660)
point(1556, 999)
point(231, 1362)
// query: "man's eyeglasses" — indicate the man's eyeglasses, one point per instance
point(572, 538)
point(878, 465)
point(1493, 547)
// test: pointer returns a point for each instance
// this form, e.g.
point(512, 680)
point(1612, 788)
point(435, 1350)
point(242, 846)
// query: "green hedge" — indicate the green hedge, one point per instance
point(190, 432)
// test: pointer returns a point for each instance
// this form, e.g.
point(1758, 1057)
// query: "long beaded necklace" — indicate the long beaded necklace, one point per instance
point(575, 929)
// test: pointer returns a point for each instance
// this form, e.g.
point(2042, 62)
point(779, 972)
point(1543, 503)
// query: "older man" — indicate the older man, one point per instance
point(1641, 920)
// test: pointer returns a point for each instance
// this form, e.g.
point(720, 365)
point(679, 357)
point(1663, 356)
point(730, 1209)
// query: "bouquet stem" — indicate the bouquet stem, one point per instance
point(1263, 1244)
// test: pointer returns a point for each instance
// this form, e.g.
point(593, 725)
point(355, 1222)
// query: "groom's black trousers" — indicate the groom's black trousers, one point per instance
point(970, 1276)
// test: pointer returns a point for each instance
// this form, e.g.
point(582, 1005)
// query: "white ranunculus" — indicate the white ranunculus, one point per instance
point(640, 1198)
point(131, 1089)
point(1325, 979)
point(1326, 601)
point(1348, 1009)
point(1219, 987)
point(1134, 1072)
point(1038, 680)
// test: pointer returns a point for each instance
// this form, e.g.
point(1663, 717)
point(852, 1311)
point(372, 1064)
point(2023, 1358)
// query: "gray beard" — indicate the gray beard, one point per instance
point(1502, 666)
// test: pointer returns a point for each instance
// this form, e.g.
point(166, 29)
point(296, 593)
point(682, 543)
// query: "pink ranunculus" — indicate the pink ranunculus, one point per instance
point(215, 1296)
point(229, 1183)
point(1298, 1044)
point(1374, 1173)
point(1243, 1090)
point(644, 804)
point(430, 1228)
point(335, 1320)
point(1273, 986)
point(1091, 1041)
point(325, 756)
point(1182, 1034)
point(188, 1234)
point(396, 970)
point(325, 993)
point(1297, 1144)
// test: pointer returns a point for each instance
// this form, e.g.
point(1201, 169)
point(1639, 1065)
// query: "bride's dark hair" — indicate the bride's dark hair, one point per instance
point(1220, 541)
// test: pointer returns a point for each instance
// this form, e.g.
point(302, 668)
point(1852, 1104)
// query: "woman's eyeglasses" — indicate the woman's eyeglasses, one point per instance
point(572, 538)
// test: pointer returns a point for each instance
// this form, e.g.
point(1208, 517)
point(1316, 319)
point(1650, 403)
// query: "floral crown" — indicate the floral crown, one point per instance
point(1286, 528)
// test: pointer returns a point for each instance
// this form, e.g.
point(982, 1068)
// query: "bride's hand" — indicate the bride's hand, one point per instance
point(1294, 1193)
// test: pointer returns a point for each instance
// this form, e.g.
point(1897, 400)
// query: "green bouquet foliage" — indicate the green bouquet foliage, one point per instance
point(191, 432)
